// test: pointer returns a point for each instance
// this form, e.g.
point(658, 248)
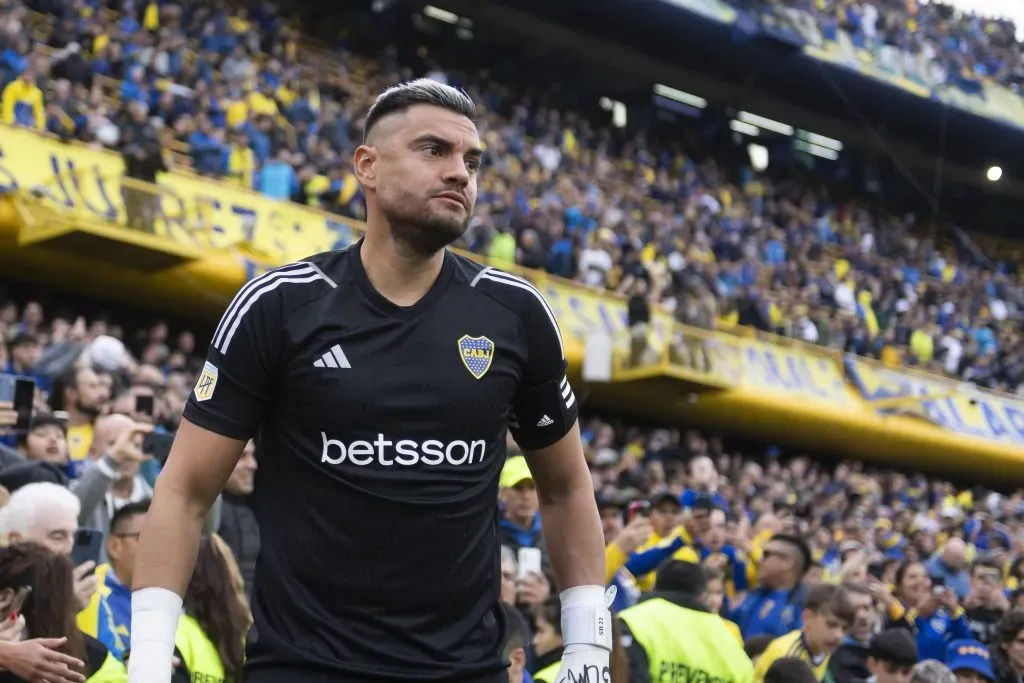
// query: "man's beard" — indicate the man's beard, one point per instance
point(418, 228)
point(89, 411)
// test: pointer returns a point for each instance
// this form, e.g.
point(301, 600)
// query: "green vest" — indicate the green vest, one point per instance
point(687, 645)
point(198, 653)
point(111, 671)
point(548, 673)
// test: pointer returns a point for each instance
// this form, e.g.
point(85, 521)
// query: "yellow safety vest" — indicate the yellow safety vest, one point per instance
point(198, 653)
point(112, 671)
point(548, 673)
point(685, 644)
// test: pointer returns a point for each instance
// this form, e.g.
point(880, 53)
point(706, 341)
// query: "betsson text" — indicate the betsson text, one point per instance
point(405, 452)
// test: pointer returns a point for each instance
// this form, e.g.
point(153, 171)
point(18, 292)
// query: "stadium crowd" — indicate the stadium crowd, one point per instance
point(860, 573)
point(240, 98)
point(799, 558)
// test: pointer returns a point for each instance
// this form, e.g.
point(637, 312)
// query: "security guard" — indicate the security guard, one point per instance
point(670, 637)
point(199, 658)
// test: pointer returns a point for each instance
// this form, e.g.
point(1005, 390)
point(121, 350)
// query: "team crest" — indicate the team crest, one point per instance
point(207, 383)
point(476, 354)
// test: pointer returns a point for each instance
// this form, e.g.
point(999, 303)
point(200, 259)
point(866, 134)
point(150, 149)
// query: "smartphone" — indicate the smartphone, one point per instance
point(88, 544)
point(20, 596)
point(638, 507)
point(529, 560)
point(20, 392)
point(157, 445)
point(144, 405)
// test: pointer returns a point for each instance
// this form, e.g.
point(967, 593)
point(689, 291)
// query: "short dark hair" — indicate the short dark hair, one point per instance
point(400, 97)
point(1010, 626)
point(755, 646)
point(790, 670)
point(40, 420)
point(126, 512)
point(677, 576)
point(987, 562)
point(516, 637)
point(800, 545)
point(828, 597)
point(895, 646)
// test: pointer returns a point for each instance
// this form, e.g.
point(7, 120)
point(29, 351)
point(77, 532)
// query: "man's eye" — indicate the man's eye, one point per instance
point(432, 150)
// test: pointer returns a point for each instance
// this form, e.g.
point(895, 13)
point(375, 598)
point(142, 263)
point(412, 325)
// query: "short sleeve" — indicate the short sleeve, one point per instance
point(544, 407)
point(234, 392)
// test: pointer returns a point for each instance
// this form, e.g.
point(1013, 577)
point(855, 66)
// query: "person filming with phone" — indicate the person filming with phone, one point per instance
point(55, 649)
point(930, 609)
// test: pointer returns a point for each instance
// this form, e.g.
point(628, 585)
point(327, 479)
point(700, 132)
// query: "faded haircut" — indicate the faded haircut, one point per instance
point(398, 98)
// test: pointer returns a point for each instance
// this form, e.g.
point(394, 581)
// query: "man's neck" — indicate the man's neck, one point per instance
point(812, 647)
point(123, 488)
point(398, 273)
point(76, 418)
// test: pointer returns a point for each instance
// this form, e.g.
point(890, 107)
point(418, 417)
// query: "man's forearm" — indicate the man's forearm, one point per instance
point(170, 540)
point(574, 538)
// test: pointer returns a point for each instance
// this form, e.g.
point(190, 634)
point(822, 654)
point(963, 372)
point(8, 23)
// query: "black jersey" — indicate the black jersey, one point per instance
point(380, 437)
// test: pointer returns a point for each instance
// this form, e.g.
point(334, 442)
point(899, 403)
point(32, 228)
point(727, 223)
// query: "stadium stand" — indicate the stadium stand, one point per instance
point(694, 255)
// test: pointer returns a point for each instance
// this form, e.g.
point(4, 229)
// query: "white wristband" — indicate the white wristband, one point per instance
point(155, 613)
point(585, 616)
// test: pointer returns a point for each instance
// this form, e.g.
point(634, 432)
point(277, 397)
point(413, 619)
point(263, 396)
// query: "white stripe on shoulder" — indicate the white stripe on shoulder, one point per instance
point(243, 295)
point(268, 287)
point(492, 275)
point(332, 283)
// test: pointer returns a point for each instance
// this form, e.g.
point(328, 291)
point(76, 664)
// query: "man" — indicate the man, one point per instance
point(671, 631)
point(849, 663)
point(379, 381)
point(45, 441)
point(892, 656)
point(80, 393)
point(47, 514)
point(970, 662)
point(238, 525)
point(790, 670)
point(520, 521)
point(515, 646)
point(950, 567)
point(826, 616)
point(986, 602)
point(774, 607)
point(115, 577)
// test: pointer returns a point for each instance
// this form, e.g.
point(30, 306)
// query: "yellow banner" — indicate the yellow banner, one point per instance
point(194, 210)
point(958, 408)
point(796, 373)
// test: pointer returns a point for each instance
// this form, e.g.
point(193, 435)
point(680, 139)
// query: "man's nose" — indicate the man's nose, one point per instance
point(455, 172)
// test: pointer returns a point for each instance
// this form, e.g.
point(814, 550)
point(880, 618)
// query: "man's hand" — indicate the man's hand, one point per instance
point(587, 628)
point(124, 449)
point(634, 535)
point(534, 589)
point(85, 583)
point(38, 661)
point(8, 416)
point(12, 629)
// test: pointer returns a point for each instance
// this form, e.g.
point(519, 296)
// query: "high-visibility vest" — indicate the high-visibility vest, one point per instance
point(198, 653)
point(548, 673)
point(686, 644)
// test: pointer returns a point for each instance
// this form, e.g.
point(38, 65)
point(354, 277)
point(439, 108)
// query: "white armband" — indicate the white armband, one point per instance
point(155, 614)
point(586, 620)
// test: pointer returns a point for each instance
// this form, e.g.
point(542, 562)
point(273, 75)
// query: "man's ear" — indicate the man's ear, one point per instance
point(517, 660)
point(364, 166)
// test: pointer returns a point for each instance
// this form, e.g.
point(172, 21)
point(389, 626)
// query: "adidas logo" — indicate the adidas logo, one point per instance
point(545, 422)
point(334, 358)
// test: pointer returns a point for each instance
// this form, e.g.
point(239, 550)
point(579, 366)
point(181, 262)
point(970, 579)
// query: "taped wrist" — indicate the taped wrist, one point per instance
point(586, 620)
point(155, 613)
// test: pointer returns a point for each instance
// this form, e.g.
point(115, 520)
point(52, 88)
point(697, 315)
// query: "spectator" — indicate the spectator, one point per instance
point(651, 631)
point(790, 670)
point(239, 527)
point(986, 603)
point(849, 663)
point(939, 619)
point(547, 641)
point(827, 614)
point(45, 441)
point(892, 656)
point(116, 576)
point(774, 607)
point(950, 568)
point(515, 646)
point(932, 671)
point(212, 629)
point(1007, 649)
point(970, 662)
point(80, 393)
point(50, 613)
point(520, 522)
